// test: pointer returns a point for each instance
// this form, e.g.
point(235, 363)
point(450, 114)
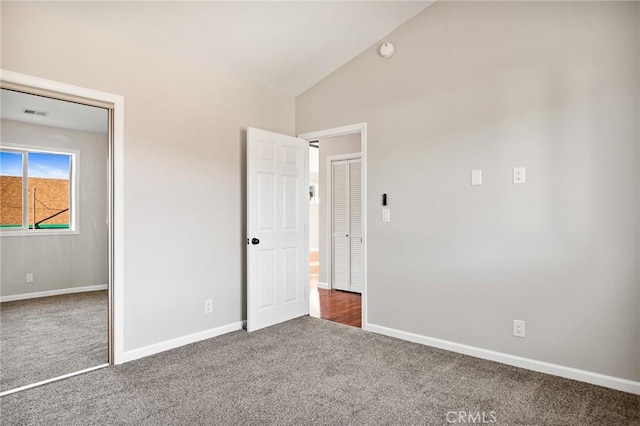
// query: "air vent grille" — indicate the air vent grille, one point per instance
point(30, 111)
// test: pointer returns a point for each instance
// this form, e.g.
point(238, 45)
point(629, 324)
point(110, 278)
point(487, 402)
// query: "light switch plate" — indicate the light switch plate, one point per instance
point(386, 215)
point(476, 177)
point(518, 175)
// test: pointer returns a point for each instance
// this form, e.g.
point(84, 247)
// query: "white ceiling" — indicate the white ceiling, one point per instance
point(286, 46)
point(63, 114)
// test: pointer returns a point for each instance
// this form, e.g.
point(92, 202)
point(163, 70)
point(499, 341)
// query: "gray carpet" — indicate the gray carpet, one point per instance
point(310, 371)
point(51, 336)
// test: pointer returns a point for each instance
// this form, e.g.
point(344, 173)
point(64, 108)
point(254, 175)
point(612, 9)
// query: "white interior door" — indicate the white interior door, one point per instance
point(347, 256)
point(277, 216)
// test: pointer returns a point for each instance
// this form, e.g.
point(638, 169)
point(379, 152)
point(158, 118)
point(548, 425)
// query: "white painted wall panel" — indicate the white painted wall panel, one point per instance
point(552, 86)
point(184, 156)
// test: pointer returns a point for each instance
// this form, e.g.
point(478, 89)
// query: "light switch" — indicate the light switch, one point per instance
point(476, 177)
point(518, 175)
point(386, 215)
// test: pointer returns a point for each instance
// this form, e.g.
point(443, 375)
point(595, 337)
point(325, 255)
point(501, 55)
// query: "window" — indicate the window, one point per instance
point(37, 190)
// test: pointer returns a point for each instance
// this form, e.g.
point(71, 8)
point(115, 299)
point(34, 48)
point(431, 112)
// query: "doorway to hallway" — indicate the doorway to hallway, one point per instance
point(336, 228)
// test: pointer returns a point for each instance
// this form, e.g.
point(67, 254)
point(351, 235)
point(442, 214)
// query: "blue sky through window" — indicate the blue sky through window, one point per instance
point(41, 165)
point(10, 164)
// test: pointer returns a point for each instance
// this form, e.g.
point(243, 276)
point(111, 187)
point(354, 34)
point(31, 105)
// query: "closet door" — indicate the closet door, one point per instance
point(346, 224)
point(340, 224)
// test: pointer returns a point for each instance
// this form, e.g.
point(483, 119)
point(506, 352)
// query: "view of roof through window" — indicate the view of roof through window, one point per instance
point(47, 178)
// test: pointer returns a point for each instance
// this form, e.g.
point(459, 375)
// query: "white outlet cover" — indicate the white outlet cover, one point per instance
point(518, 328)
point(518, 175)
point(386, 215)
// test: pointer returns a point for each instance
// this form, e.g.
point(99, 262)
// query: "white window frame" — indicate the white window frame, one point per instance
point(74, 213)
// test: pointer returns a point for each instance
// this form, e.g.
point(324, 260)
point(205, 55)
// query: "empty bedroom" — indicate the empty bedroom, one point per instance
point(182, 244)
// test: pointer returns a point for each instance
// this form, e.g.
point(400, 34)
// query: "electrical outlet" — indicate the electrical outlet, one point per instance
point(29, 277)
point(518, 328)
point(208, 306)
point(518, 175)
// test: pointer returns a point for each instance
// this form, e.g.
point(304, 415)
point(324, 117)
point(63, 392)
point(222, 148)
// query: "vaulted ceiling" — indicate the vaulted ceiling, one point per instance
point(286, 46)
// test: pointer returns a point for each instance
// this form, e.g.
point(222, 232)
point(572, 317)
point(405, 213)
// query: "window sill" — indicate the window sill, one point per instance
point(39, 233)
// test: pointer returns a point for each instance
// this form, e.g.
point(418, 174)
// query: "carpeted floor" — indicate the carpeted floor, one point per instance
point(310, 371)
point(51, 336)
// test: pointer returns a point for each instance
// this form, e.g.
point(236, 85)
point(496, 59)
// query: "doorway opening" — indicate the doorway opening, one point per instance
point(337, 244)
point(61, 163)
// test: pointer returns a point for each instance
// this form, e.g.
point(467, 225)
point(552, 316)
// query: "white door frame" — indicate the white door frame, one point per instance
point(347, 130)
point(329, 211)
point(116, 253)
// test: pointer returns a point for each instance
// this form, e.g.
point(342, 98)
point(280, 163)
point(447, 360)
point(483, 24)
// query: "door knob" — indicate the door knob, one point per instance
point(255, 241)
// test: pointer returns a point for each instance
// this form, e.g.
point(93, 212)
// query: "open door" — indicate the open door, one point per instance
point(277, 240)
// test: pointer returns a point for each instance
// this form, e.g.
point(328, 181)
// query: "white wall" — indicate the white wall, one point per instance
point(346, 144)
point(184, 174)
point(61, 262)
point(553, 86)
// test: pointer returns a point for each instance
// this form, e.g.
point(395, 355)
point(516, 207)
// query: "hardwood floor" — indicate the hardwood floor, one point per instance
point(340, 306)
point(337, 306)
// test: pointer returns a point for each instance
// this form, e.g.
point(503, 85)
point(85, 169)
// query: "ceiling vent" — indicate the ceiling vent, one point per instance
point(35, 112)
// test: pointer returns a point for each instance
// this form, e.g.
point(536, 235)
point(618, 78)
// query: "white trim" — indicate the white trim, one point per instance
point(117, 264)
point(307, 224)
point(516, 361)
point(340, 157)
point(325, 286)
point(40, 233)
point(336, 131)
point(48, 293)
point(181, 341)
point(329, 210)
point(55, 379)
point(347, 130)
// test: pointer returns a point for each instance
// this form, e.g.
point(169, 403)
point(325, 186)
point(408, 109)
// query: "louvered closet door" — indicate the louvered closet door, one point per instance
point(346, 217)
point(340, 224)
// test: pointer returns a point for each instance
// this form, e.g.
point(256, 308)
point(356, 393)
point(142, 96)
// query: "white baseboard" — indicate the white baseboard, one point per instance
point(177, 342)
point(53, 293)
point(324, 286)
point(516, 361)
